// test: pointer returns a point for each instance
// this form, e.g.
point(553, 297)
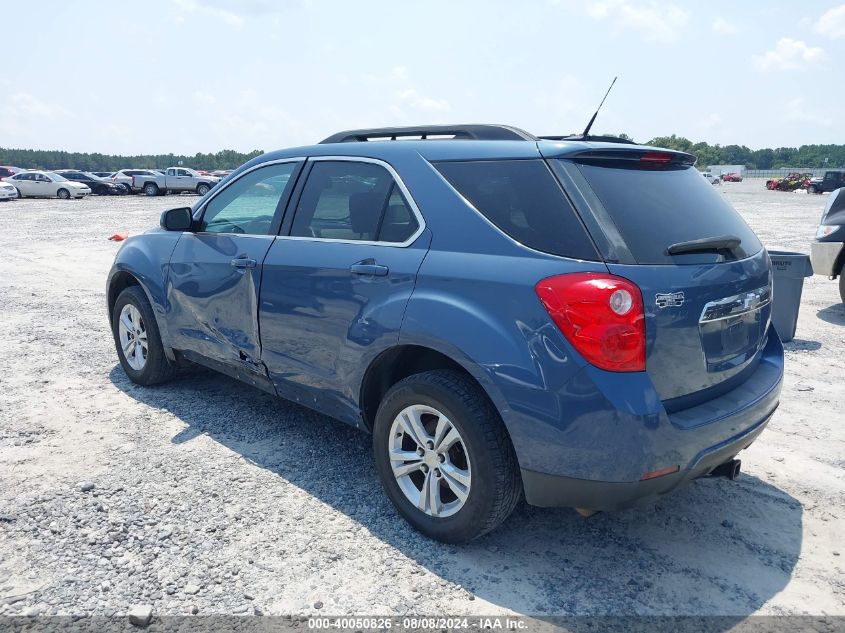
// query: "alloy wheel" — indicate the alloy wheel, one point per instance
point(133, 337)
point(429, 460)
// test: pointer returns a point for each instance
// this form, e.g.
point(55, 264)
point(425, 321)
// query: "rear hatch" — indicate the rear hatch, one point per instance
point(704, 276)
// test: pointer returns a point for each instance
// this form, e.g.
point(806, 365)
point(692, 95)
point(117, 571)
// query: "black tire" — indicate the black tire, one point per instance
point(20, 195)
point(151, 189)
point(157, 368)
point(102, 191)
point(812, 189)
point(842, 284)
point(496, 486)
point(202, 189)
point(63, 193)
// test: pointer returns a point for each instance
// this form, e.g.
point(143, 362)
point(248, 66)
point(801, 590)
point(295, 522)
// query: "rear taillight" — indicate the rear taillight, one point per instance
point(600, 315)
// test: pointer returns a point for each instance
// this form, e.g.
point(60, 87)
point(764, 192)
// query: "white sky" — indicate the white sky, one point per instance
point(184, 76)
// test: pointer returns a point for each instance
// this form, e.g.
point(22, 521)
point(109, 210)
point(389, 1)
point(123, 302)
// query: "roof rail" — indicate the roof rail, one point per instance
point(590, 137)
point(462, 132)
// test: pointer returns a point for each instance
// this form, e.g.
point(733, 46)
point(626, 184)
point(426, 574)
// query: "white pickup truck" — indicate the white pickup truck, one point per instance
point(174, 180)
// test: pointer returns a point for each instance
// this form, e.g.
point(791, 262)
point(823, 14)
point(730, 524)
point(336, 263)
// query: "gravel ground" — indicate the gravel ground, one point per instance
point(207, 496)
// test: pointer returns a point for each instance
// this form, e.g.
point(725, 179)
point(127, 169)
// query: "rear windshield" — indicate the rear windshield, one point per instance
point(524, 200)
point(653, 209)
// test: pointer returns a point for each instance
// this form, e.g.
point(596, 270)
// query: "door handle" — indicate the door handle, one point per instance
point(370, 268)
point(244, 262)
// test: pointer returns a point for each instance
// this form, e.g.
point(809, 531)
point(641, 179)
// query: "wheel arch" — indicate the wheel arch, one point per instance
point(142, 261)
point(158, 187)
point(403, 360)
point(119, 281)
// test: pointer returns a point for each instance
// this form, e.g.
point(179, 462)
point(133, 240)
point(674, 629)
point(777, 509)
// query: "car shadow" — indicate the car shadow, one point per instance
point(833, 314)
point(713, 548)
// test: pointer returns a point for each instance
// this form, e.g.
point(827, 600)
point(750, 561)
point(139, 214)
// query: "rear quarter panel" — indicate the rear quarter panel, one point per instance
point(482, 311)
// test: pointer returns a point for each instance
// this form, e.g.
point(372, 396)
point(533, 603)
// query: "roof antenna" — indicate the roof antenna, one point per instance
point(586, 132)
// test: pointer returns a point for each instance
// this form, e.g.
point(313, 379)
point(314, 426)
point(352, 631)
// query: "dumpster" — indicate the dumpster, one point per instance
point(789, 270)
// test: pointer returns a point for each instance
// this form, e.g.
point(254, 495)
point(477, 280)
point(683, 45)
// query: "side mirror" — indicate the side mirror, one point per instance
point(180, 219)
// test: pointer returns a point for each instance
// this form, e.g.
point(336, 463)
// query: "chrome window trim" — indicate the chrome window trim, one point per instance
point(396, 178)
point(762, 297)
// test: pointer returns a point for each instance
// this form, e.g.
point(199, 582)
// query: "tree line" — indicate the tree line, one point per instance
point(810, 156)
point(54, 159)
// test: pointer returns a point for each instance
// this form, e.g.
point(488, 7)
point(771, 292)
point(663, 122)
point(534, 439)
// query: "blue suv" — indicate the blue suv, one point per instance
point(571, 320)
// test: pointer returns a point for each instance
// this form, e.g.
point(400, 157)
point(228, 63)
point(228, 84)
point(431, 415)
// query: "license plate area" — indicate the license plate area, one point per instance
point(733, 328)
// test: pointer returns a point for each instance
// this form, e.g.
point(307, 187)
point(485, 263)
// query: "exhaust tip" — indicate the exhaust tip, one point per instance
point(729, 469)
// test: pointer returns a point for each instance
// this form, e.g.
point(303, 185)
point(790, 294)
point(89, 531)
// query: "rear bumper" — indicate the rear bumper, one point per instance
point(546, 490)
point(824, 257)
point(609, 430)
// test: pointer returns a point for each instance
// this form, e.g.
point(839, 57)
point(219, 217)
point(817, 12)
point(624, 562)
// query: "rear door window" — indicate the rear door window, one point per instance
point(350, 200)
point(653, 209)
point(524, 200)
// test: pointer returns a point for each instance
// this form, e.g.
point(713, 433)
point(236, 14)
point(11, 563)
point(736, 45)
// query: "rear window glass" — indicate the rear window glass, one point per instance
point(653, 209)
point(524, 200)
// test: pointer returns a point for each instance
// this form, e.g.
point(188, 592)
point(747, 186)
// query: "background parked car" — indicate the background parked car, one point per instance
point(46, 184)
point(174, 180)
point(713, 180)
point(732, 177)
point(827, 252)
point(124, 176)
point(6, 171)
point(831, 181)
point(7, 192)
point(99, 186)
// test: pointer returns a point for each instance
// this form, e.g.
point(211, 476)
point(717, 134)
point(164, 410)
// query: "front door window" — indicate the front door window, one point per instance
point(248, 205)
